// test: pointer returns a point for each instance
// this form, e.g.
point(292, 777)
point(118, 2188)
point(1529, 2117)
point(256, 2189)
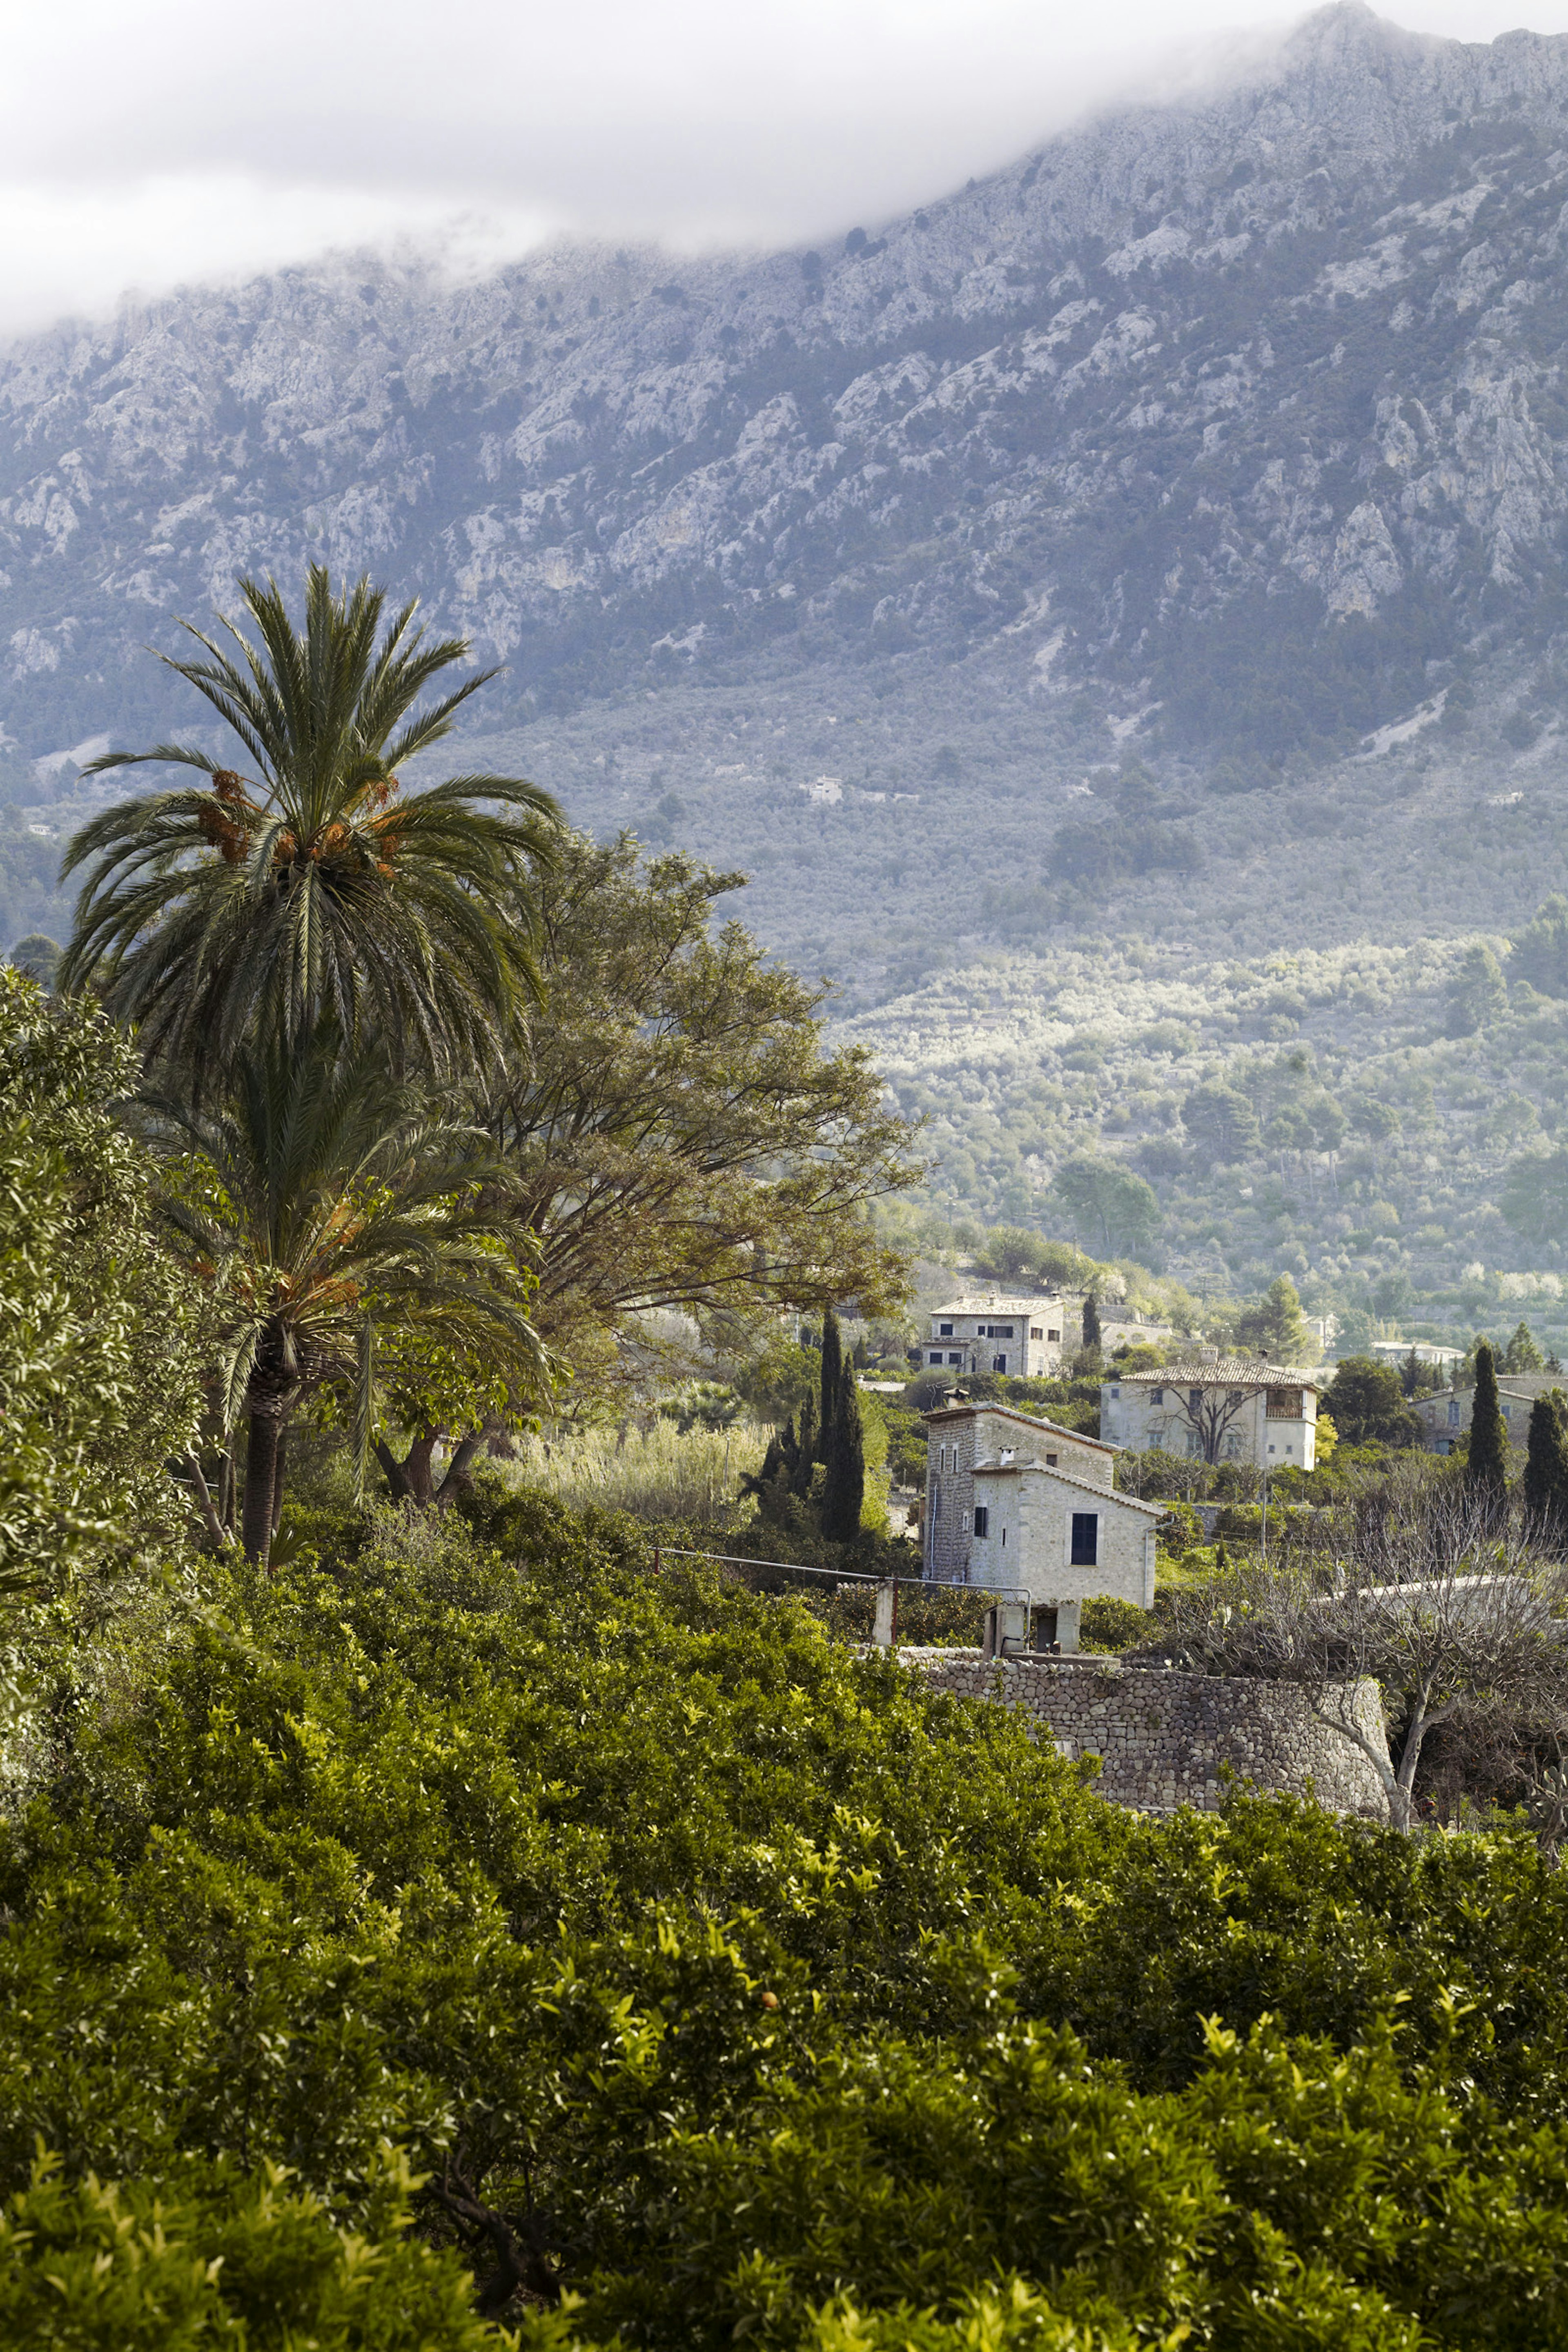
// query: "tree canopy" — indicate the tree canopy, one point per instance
point(678, 1133)
point(319, 886)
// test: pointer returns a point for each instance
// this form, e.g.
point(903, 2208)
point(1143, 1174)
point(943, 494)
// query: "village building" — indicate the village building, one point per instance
point(1446, 1417)
point(1022, 1506)
point(1214, 1408)
point(1026, 1336)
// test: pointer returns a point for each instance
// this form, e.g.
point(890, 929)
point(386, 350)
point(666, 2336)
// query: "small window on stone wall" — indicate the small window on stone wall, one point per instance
point(981, 1519)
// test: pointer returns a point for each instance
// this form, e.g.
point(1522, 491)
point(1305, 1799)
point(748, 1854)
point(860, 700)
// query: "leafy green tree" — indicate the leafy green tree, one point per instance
point(1365, 1401)
point(1104, 1199)
point(1545, 1489)
point(1478, 994)
point(1223, 1122)
point(1486, 1467)
point(316, 888)
point(1535, 1196)
point(844, 1486)
point(1522, 1354)
point(342, 1223)
point(100, 1330)
point(1540, 954)
point(39, 957)
point(679, 1135)
point(1276, 1326)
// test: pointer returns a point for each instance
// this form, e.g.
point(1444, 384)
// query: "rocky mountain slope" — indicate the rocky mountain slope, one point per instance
point(1247, 412)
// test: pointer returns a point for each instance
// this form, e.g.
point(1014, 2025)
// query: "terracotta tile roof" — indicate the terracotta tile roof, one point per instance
point(1223, 1372)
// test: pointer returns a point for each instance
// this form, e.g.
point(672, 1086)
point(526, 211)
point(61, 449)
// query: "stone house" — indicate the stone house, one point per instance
point(1447, 1415)
point(1028, 1337)
point(1025, 1336)
point(1019, 1505)
point(1214, 1408)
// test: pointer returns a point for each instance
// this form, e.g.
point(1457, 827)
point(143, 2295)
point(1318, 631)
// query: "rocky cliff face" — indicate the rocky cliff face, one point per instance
point(1244, 418)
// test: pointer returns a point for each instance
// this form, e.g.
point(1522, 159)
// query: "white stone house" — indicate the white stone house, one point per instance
point(1016, 1503)
point(1215, 1409)
point(1026, 1336)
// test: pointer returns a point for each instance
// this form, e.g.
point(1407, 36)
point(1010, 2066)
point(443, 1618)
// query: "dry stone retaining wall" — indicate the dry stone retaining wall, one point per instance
point(1164, 1736)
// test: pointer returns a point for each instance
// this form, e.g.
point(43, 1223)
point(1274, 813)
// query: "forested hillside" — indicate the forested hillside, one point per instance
point(1385, 1123)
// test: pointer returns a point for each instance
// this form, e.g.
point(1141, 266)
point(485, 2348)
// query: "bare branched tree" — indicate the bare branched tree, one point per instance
point(1453, 1623)
point(1210, 1414)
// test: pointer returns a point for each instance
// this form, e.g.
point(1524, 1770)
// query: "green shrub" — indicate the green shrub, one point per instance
point(745, 1988)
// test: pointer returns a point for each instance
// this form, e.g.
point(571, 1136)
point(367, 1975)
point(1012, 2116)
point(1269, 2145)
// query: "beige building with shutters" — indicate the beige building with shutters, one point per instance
point(1215, 1409)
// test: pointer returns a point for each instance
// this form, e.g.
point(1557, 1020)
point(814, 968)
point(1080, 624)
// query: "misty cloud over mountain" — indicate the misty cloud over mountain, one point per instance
point(1250, 408)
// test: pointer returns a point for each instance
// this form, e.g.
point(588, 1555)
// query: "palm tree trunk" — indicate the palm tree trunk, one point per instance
point(261, 1467)
point(278, 1475)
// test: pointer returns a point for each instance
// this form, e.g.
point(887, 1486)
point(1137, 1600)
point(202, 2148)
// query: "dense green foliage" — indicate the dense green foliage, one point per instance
point(745, 1986)
point(98, 1387)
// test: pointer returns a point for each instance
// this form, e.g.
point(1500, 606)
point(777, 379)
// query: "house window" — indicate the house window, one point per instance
point(1453, 1412)
point(1003, 1539)
point(998, 1363)
point(936, 1355)
point(1086, 1539)
point(1158, 1397)
point(944, 1331)
point(1195, 1400)
point(1050, 1461)
point(981, 1519)
point(1116, 1393)
point(955, 1357)
point(1052, 1335)
point(1036, 1332)
point(1003, 1331)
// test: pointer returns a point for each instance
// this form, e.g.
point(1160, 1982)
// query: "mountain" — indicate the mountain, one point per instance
point(1251, 406)
point(1164, 535)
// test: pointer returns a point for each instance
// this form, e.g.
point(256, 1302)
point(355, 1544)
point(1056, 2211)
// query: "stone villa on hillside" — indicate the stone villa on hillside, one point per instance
point(1026, 1336)
point(1447, 1415)
point(1016, 1503)
point(1215, 1409)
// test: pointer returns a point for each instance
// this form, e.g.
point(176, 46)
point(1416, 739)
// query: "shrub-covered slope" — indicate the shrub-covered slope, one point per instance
point(735, 1985)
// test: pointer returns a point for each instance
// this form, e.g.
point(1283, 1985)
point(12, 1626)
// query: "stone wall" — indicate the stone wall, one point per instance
point(1164, 1736)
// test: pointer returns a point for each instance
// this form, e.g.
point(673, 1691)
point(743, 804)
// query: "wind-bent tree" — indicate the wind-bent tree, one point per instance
point(333, 1213)
point(315, 887)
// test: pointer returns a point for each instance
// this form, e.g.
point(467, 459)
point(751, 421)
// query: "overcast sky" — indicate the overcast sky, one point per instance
point(142, 146)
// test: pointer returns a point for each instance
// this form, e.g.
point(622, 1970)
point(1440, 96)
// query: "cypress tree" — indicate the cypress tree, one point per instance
point(832, 1381)
point(1546, 1473)
point(805, 1453)
point(789, 1446)
point(844, 1489)
point(1486, 1472)
point(1090, 1322)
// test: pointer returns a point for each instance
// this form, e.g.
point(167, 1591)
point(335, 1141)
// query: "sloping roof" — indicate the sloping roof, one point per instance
point(1223, 1372)
point(1011, 1413)
point(1085, 1485)
point(1012, 1303)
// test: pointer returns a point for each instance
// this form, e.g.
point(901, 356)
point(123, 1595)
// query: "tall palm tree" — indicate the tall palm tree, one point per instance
point(328, 1205)
point(315, 887)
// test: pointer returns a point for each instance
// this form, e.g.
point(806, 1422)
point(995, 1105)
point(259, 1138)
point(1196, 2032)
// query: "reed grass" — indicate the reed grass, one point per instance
point(656, 1474)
